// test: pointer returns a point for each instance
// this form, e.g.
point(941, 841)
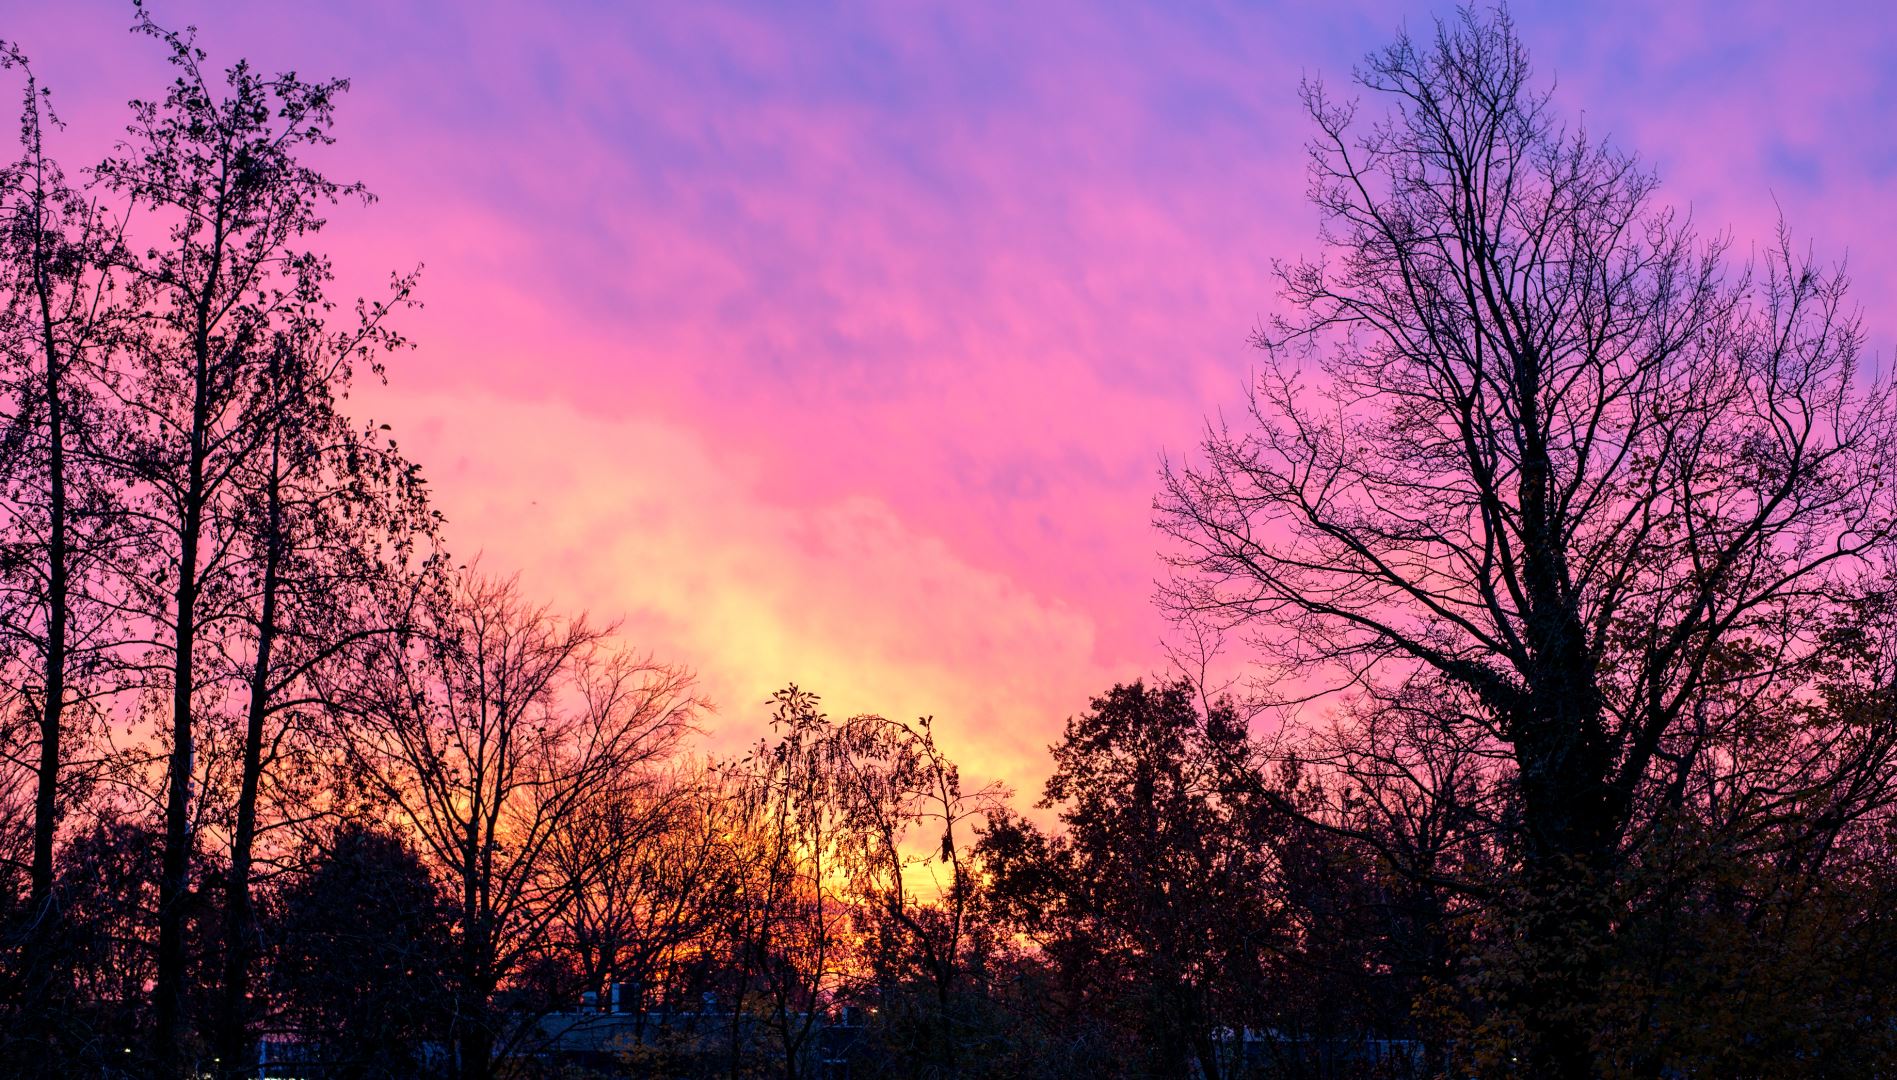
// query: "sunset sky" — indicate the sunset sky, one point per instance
point(840, 344)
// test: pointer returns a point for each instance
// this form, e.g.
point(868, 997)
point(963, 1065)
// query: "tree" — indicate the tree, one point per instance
point(858, 882)
point(356, 944)
point(224, 202)
point(328, 524)
point(651, 876)
point(790, 914)
point(1756, 922)
point(897, 782)
point(57, 313)
point(328, 521)
point(1158, 901)
point(488, 731)
point(106, 950)
point(1557, 455)
point(111, 876)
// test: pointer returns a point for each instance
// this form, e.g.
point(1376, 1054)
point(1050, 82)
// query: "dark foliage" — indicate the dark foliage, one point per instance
point(357, 943)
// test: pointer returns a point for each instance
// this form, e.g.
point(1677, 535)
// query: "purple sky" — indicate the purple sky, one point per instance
point(840, 344)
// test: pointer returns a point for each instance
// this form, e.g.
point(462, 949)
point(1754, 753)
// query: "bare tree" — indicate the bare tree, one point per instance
point(1555, 453)
point(490, 731)
point(651, 876)
point(57, 310)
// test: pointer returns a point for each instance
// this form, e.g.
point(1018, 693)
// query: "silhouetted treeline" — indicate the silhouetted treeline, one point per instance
point(1563, 540)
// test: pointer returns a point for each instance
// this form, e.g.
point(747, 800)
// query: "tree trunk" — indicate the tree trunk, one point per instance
point(42, 911)
point(234, 1018)
point(1566, 929)
point(1565, 923)
point(476, 1044)
point(174, 879)
point(1564, 765)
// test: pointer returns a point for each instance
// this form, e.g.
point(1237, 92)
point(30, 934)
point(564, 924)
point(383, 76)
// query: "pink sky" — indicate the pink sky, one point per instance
point(839, 344)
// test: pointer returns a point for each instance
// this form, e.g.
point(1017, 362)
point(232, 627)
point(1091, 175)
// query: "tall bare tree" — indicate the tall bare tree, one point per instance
point(651, 878)
point(59, 532)
point(1555, 451)
point(224, 203)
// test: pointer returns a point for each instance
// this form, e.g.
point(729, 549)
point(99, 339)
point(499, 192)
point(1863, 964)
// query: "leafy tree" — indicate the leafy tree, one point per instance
point(1158, 902)
point(217, 275)
point(355, 960)
point(106, 950)
point(109, 885)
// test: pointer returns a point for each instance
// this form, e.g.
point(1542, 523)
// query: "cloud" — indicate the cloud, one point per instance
point(634, 518)
point(840, 343)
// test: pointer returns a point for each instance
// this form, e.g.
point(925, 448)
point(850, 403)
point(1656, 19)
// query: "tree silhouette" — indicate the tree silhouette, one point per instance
point(328, 521)
point(487, 731)
point(1554, 453)
point(224, 203)
point(651, 874)
point(357, 945)
point(1570, 532)
point(790, 920)
point(57, 326)
point(1159, 898)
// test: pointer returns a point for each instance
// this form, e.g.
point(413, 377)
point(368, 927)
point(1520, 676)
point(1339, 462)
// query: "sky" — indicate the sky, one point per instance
point(840, 344)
